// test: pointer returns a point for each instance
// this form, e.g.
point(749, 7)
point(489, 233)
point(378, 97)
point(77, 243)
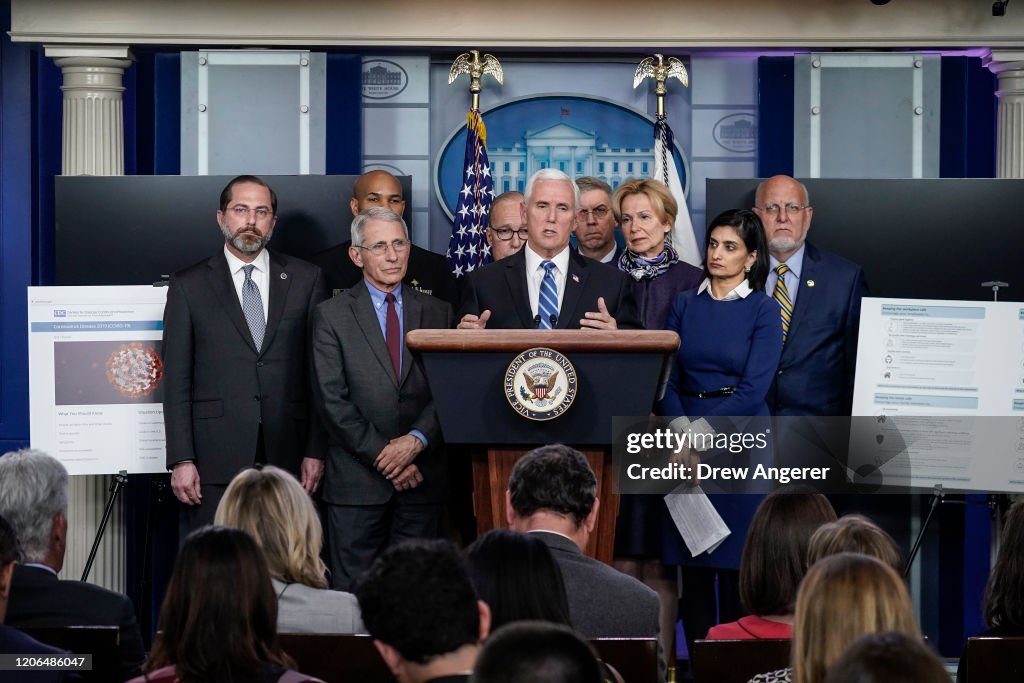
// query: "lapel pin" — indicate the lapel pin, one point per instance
point(810, 283)
point(284, 276)
point(575, 278)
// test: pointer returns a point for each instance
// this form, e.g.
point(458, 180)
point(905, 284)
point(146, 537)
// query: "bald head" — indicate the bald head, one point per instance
point(377, 188)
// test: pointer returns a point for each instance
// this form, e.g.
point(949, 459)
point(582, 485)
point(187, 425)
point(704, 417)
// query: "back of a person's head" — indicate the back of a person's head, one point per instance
point(553, 478)
point(33, 489)
point(518, 578)
point(272, 507)
point(855, 534)
point(889, 657)
point(775, 551)
point(536, 652)
point(842, 598)
point(1004, 592)
point(417, 598)
point(219, 616)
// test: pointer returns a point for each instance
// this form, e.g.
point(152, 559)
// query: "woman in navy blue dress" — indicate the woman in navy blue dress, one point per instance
point(731, 340)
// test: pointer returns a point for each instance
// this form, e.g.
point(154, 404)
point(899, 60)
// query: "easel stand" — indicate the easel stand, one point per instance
point(120, 479)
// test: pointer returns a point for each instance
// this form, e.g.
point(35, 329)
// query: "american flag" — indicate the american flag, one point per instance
point(467, 249)
point(682, 238)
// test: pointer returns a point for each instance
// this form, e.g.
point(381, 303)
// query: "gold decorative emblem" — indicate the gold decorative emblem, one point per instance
point(469, 63)
point(540, 384)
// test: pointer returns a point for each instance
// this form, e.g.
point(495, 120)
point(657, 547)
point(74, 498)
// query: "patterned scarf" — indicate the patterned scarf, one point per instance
point(641, 268)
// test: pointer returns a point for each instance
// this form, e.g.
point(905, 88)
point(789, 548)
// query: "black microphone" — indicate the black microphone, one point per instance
point(553, 320)
point(536, 320)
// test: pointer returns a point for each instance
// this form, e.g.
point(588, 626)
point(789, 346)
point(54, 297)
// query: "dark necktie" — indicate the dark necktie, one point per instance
point(252, 306)
point(393, 335)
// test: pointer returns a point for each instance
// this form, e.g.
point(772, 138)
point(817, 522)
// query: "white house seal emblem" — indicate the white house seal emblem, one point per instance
point(540, 384)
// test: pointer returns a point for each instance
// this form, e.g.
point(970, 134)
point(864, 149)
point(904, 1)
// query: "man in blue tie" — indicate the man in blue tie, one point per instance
point(236, 370)
point(819, 294)
point(546, 284)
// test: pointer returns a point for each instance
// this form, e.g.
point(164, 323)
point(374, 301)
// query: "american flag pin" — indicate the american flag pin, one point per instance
point(284, 276)
point(575, 278)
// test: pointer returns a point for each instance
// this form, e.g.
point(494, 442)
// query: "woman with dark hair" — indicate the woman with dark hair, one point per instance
point(774, 562)
point(219, 616)
point(518, 578)
point(731, 340)
point(1004, 592)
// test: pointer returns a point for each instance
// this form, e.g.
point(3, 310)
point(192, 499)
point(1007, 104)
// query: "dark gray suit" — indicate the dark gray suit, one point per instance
point(363, 406)
point(219, 391)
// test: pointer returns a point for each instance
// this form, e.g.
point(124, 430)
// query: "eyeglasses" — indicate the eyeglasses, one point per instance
point(791, 209)
point(381, 248)
point(505, 234)
point(599, 212)
point(242, 211)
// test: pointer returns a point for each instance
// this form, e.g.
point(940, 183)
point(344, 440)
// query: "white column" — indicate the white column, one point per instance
point(1008, 66)
point(93, 144)
point(93, 129)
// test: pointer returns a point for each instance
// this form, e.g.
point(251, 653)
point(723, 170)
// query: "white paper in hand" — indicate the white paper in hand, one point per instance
point(700, 525)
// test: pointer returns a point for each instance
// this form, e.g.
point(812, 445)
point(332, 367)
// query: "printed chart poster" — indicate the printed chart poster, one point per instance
point(96, 377)
point(945, 382)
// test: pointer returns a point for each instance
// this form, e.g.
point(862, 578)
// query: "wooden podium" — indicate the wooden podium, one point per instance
point(618, 373)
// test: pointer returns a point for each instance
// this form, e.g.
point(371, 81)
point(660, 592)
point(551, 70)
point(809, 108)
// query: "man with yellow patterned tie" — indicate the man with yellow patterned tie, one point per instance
point(820, 295)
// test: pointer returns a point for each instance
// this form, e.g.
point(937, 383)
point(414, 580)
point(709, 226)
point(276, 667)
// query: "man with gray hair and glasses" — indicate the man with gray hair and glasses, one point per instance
point(819, 296)
point(385, 478)
point(595, 222)
point(34, 501)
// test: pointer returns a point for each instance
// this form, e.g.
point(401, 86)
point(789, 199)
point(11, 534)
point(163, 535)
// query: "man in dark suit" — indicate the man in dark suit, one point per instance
point(553, 492)
point(427, 272)
point(820, 296)
point(595, 224)
point(385, 466)
point(236, 370)
point(34, 501)
point(546, 284)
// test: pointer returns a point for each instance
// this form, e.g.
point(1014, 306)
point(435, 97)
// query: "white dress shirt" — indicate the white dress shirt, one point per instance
point(260, 276)
point(535, 275)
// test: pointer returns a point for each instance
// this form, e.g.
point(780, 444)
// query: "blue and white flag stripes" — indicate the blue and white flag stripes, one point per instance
point(682, 237)
point(468, 248)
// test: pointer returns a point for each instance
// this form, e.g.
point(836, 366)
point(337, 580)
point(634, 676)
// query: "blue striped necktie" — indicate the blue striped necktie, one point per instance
point(781, 294)
point(252, 306)
point(547, 304)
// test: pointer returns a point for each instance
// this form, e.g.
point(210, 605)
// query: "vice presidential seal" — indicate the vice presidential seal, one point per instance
point(540, 384)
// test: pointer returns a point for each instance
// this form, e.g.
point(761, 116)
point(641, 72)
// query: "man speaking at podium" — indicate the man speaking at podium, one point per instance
point(546, 284)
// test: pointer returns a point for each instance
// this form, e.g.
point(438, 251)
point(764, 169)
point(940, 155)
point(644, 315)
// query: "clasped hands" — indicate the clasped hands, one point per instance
point(600, 319)
point(395, 462)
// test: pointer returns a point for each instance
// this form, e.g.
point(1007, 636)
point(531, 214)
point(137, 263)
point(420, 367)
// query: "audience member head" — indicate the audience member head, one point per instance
point(517, 576)
point(377, 189)
point(775, 551)
point(1004, 592)
point(218, 621)
point(842, 598)
point(854, 534)
point(9, 554)
point(506, 229)
point(419, 605)
point(595, 222)
point(270, 505)
point(742, 231)
point(552, 488)
point(34, 501)
point(889, 657)
point(784, 207)
point(549, 211)
point(536, 652)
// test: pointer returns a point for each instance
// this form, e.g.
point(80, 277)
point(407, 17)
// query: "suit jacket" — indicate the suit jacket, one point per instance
point(218, 389)
point(363, 405)
point(815, 375)
point(428, 272)
point(39, 598)
point(603, 602)
point(304, 609)
point(501, 288)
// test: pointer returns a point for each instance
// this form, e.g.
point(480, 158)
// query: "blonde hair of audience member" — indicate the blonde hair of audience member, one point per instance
point(854, 534)
point(272, 507)
point(842, 598)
